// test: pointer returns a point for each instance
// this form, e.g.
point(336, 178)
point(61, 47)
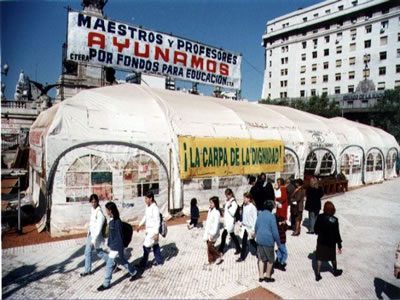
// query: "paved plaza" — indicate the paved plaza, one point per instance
point(370, 226)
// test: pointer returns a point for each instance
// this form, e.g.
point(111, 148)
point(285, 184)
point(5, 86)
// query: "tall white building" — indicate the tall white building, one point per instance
point(337, 48)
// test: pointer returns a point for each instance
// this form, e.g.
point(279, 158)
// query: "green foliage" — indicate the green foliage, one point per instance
point(387, 115)
point(316, 105)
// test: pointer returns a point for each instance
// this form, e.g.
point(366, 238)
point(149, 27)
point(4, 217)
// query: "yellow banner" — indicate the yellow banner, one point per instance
point(208, 157)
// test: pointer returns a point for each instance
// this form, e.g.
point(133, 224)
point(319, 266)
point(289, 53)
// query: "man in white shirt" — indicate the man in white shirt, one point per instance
point(152, 220)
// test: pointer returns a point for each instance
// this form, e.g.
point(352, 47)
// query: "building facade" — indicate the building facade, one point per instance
point(348, 50)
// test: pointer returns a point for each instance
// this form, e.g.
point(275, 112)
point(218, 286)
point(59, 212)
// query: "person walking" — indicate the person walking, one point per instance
point(229, 221)
point(327, 229)
point(95, 237)
point(248, 225)
point(194, 214)
point(152, 220)
point(266, 236)
point(115, 243)
point(290, 187)
point(211, 232)
point(313, 203)
point(297, 206)
point(282, 200)
point(282, 252)
point(256, 193)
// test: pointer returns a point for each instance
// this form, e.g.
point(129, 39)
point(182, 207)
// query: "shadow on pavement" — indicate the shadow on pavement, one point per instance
point(381, 286)
point(25, 275)
point(325, 267)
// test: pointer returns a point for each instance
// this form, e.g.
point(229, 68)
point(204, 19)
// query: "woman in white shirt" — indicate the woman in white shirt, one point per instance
point(94, 237)
point(229, 221)
point(211, 232)
point(152, 220)
point(248, 224)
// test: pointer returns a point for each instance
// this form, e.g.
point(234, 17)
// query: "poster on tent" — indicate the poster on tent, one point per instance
point(209, 157)
point(105, 42)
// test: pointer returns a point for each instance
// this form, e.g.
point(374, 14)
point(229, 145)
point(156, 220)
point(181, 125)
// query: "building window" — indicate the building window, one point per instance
point(284, 72)
point(326, 65)
point(269, 85)
point(352, 61)
point(397, 83)
point(315, 42)
point(398, 53)
point(303, 69)
point(397, 68)
point(367, 44)
point(314, 79)
point(340, 7)
point(314, 67)
point(283, 83)
point(327, 39)
point(270, 63)
point(368, 29)
point(325, 92)
point(398, 37)
point(353, 34)
point(325, 78)
point(326, 52)
point(350, 88)
point(313, 92)
point(384, 40)
point(382, 70)
point(353, 47)
point(381, 86)
point(366, 73)
point(352, 74)
point(314, 54)
point(302, 93)
point(385, 11)
point(315, 15)
point(338, 49)
point(337, 90)
point(354, 2)
point(283, 95)
point(270, 74)
point(327, 11)
point(302, 81)
point(384, 25)
point(304, 45)
point(305, 19)
point(338, 76)
point(382, 55)
point(327, 27)
point(338, 63)
point(303, 57)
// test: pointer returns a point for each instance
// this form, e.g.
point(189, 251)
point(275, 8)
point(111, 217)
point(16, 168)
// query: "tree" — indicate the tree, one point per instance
point(316, 105)
point(387, 116)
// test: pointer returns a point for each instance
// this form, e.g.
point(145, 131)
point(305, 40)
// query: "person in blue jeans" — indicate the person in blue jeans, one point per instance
point(115, 243)
point(95, 237)
point(282, 252)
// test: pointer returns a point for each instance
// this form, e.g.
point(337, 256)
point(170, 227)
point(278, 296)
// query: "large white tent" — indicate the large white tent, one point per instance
point(121, 141)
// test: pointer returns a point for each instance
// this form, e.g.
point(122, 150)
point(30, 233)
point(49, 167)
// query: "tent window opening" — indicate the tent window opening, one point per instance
point(141, 174)
point(311, 164)
point(87, 175)
point(326, 164)
point(370, 163)
point(378, 162)
point(389, 162)
point(289, 166)
point(345, 164)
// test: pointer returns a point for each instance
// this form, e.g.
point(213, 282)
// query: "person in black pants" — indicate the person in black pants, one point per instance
point(194, 214)
point(229, 221)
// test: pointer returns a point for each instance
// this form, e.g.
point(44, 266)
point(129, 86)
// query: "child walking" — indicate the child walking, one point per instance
point(248, 224)
point(194, 214)
point(281, 253)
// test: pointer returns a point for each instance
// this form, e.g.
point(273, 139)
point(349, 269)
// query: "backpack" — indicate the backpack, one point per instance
point(105, 229)
point(127, 232)
point(163, 229)
point(237, 214)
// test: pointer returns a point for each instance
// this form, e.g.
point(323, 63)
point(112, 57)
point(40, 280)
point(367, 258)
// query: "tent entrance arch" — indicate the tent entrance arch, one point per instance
point(352, 164)
point(121, 172)
point(291, 164)
point(320, 162)
point(391, 158)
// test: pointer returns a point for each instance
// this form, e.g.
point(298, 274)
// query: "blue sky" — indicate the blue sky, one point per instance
point(32, 32)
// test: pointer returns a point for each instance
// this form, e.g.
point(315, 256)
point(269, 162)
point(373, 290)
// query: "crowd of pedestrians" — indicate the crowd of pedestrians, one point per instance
point(261, 232)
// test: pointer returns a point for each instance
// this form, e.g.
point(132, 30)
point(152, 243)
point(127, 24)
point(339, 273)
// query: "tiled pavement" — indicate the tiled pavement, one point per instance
point(370, 226)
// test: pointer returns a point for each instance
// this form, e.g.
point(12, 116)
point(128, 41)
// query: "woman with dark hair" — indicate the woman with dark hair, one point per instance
point(297, 206)
point(94, 237)
point(327, 229)
point(248, 224)
point(211, 232)
point(229, 221)
point(115, 243)
point(152, 220)
point(313, 203)
point(194, 214)
point(281, 199)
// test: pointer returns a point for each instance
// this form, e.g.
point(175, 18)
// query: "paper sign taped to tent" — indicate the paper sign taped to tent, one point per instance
point(207, 157)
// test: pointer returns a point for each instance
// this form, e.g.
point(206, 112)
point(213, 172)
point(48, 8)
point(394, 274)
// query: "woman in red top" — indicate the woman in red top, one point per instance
point(281, 199)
